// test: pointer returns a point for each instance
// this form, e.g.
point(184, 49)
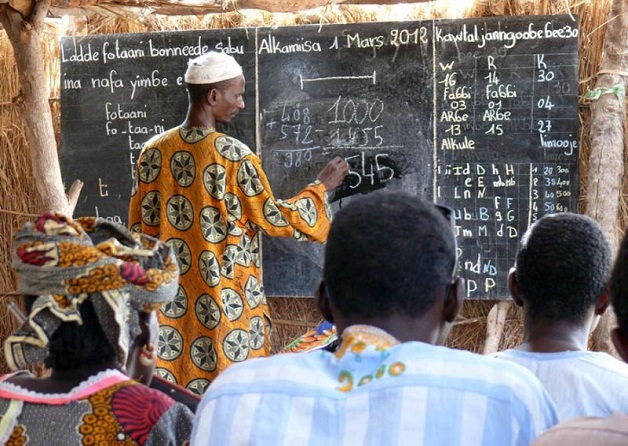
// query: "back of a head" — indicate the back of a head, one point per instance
point(212, 70)
point(73, 345)
point(387, 253)
point(618, 286)
point(562, 264)
point(91, 279)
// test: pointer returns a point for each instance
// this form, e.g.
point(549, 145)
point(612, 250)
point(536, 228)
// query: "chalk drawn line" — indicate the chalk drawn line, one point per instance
point(303, 81)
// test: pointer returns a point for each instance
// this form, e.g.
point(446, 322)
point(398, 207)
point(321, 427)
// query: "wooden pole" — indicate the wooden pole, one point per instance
point(606, 162)
point(23, 28)
point(495, 323)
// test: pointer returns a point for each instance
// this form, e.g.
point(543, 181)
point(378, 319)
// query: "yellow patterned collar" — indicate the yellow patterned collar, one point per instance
point(356, 338)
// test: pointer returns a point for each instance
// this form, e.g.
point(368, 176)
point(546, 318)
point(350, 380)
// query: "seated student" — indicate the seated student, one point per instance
point(390, 286)
point(559, 279)
point(611, 431)
point(93, 289)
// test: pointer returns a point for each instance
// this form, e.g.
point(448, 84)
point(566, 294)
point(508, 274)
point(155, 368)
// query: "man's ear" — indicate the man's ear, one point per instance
point(602, 303)
point(453, 302)
point(212, 96)
point(514, 287)
point(620, 342)
point(321, 299)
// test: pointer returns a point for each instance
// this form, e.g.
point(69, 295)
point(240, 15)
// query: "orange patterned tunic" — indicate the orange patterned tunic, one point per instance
point(205, 194)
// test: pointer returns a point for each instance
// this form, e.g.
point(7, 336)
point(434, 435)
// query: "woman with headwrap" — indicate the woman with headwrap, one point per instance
point(93, 288)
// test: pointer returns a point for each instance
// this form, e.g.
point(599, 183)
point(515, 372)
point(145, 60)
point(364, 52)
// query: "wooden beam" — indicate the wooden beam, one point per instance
point(606, 162)
point(182, 8)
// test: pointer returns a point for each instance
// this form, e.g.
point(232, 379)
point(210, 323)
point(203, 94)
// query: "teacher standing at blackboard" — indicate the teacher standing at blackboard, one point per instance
point(205, 194)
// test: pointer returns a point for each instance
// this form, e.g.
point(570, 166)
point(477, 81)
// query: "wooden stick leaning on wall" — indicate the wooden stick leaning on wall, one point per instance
point(606, 163)
point(495, 326)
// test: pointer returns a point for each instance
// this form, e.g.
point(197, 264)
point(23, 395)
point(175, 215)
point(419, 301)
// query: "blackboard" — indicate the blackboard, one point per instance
point(478, 114)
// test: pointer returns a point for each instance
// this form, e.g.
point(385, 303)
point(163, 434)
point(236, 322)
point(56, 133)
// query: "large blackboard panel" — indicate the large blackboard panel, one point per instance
point(354, 94)
point(511, 160)
point(131, 88)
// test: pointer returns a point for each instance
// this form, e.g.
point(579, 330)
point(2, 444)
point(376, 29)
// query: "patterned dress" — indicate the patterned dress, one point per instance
point(205, 194)
point(109, 408)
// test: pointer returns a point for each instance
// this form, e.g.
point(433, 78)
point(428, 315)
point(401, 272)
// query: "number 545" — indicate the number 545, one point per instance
point(372, 169)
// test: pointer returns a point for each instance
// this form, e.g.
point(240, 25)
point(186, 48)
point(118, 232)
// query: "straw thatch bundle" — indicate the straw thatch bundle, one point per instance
point(292, 316)
point(16, 185)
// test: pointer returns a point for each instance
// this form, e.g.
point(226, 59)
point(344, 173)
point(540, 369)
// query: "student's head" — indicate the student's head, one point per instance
point(388, 255)
point(618, 287)
point(91, 288)
point(561, 269)
point(73, 345)
point(215, 79)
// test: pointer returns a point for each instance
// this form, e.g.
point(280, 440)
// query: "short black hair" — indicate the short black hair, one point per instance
point(618, 286)
point(388, 253)
point(197, 92)
point(563, 264)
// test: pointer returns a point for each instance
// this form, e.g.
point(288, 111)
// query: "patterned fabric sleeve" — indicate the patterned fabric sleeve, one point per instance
point(145, 203)
point(134, 204)
point(135, 210)
point(304, 216)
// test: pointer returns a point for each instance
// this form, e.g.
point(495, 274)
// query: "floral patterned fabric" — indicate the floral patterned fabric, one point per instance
point(108, 409)
point(206, 195)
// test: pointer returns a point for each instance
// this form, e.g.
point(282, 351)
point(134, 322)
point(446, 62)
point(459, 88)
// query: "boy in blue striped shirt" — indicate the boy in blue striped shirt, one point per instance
point(390, 285)
point(559, 279)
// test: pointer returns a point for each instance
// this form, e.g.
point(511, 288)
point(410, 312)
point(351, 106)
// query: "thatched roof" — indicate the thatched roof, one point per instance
point(186, 7)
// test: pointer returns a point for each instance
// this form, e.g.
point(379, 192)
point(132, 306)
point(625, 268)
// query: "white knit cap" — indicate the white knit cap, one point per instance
point(212, 67)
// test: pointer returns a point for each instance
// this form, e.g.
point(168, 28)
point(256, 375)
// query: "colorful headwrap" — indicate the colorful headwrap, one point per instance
point(65, 262)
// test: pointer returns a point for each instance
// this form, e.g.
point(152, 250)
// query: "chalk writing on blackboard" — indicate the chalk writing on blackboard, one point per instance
point(478, 114)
